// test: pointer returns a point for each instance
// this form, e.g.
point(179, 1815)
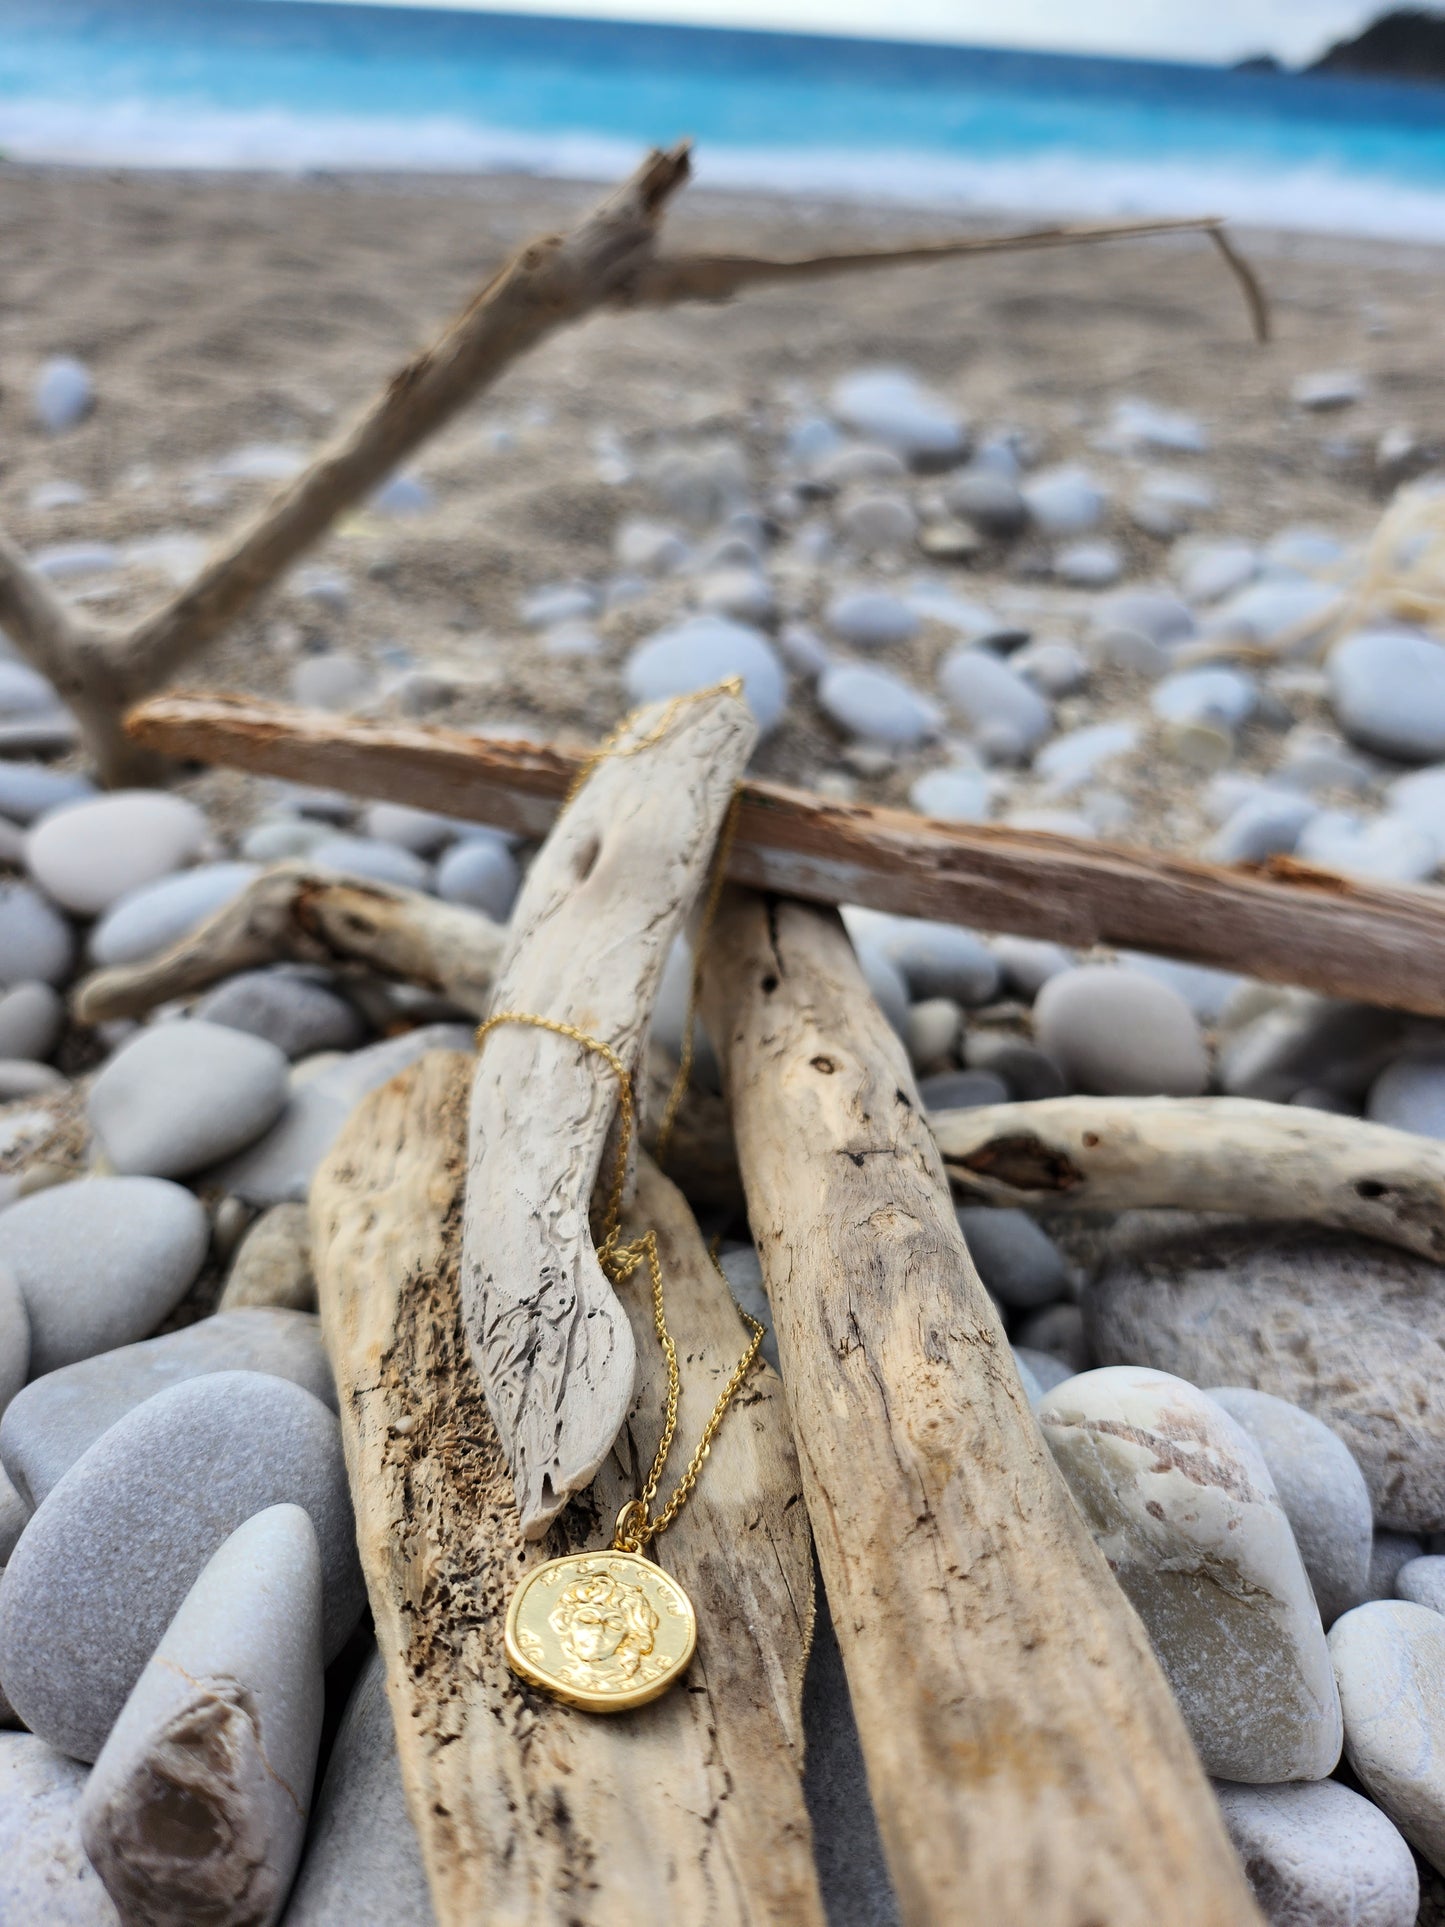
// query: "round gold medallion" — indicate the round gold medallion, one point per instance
point(601, 1630)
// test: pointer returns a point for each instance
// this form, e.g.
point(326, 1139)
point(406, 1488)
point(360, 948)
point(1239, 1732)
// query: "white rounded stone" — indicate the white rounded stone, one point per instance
point(330, 681)
point(31, 1020)
point(116, 1546)
point(701, 651)
point(1321, 1488)
point(1089, 565)
point(953, 795)
point(370, 858)
point(1389, 1659)
point(61, 1413)
point(1065, 501)
point(14, 1341)
point(64, 393)
point(878, 523)
point(891, 406)
point(872, 618)
point(1422, 1582)
point(1317, 1855)
point(1387, 688)
point(984, 692)
point(1409, 1094)
point(157, 915)
point(1183, 1508)
point(87, 856)
point(877, 706)
point(100, 1262)
point(180, 1096)
point(1118, 1032)
point(197, 1806)
point(481, 872)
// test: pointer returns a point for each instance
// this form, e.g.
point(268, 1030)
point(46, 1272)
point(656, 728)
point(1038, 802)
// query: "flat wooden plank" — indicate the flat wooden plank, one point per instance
point(1285, 922)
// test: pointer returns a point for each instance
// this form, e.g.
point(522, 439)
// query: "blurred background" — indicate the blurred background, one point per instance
point(1136, 104)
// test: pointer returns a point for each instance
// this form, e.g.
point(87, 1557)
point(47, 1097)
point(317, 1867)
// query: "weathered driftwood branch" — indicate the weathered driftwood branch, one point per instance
point(608, 259)
point(1253, 1160)
point(295, 913)
point(589, 935)
point(1026, 1757)
point(1283, 922)
point(689, 1809)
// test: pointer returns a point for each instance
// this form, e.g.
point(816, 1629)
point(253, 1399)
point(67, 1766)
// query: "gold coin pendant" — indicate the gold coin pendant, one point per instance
point(603, 1631)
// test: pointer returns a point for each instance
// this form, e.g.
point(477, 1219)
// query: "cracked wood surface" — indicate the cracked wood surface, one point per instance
point(530, 1814)
point(1232, 1154)
point(1283, 921)
point(588, 938)
point(296, 913)
point(1026, 1757)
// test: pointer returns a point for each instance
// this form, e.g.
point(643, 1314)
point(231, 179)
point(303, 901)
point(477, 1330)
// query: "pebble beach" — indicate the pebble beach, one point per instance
point(1044, 540)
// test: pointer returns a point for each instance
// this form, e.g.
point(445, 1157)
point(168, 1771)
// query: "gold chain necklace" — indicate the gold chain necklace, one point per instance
point(606, 1631)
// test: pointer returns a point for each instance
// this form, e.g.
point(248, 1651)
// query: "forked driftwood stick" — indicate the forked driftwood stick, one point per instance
point(689, 1809)
point(589, 935)
point(1026, 1757)
point(609, 259)
point(1284, 922)
point(1253, 1160)
point(296, 913)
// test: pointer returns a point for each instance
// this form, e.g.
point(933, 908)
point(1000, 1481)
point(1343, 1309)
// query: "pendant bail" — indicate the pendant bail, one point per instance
point(627, 1534)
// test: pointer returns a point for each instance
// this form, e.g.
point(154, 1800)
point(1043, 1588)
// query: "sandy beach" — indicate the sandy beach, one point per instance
point(220, 312)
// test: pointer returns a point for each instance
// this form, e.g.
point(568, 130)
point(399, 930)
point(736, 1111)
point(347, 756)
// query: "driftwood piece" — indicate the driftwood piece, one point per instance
point(1253, 1160)
point(1283, 922)
point(608, 259)
point(1026, 1757)
point(588, 938)
point(529, 1814)
point(295, 913)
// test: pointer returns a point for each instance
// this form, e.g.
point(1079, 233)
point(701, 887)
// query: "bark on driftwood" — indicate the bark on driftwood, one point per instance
point(1026, 1757)
point(295, 913)
point(1253, 1160)
point(1283, 922)
point(588, 938)
point(530, 1814)
point(608, 259)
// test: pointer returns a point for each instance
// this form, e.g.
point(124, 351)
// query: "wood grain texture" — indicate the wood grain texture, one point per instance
point(1026, 1757)
point(588, 938)
point(1283, 922)
point(530, 1814)
point(296, 913)
point(1253, 1160)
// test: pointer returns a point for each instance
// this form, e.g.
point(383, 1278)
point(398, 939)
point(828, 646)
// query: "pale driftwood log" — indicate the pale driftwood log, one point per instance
point(529, 1814)
point(608, 259)
point(296, 913)
point(1253, 1160)
point(589, 935)
point(1283, 922)
point(1026, 1757)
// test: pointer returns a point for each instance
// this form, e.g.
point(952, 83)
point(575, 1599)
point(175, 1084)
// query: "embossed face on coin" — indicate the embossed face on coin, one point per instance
point(601, 1630)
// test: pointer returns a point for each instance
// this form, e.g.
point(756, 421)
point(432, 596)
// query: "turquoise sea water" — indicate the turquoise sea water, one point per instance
point(277, 83)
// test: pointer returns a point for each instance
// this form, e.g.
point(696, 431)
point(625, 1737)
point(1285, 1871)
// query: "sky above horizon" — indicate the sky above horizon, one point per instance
point(1225, 30)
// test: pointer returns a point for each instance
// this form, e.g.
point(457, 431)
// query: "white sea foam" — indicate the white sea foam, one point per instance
point(140, 133)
